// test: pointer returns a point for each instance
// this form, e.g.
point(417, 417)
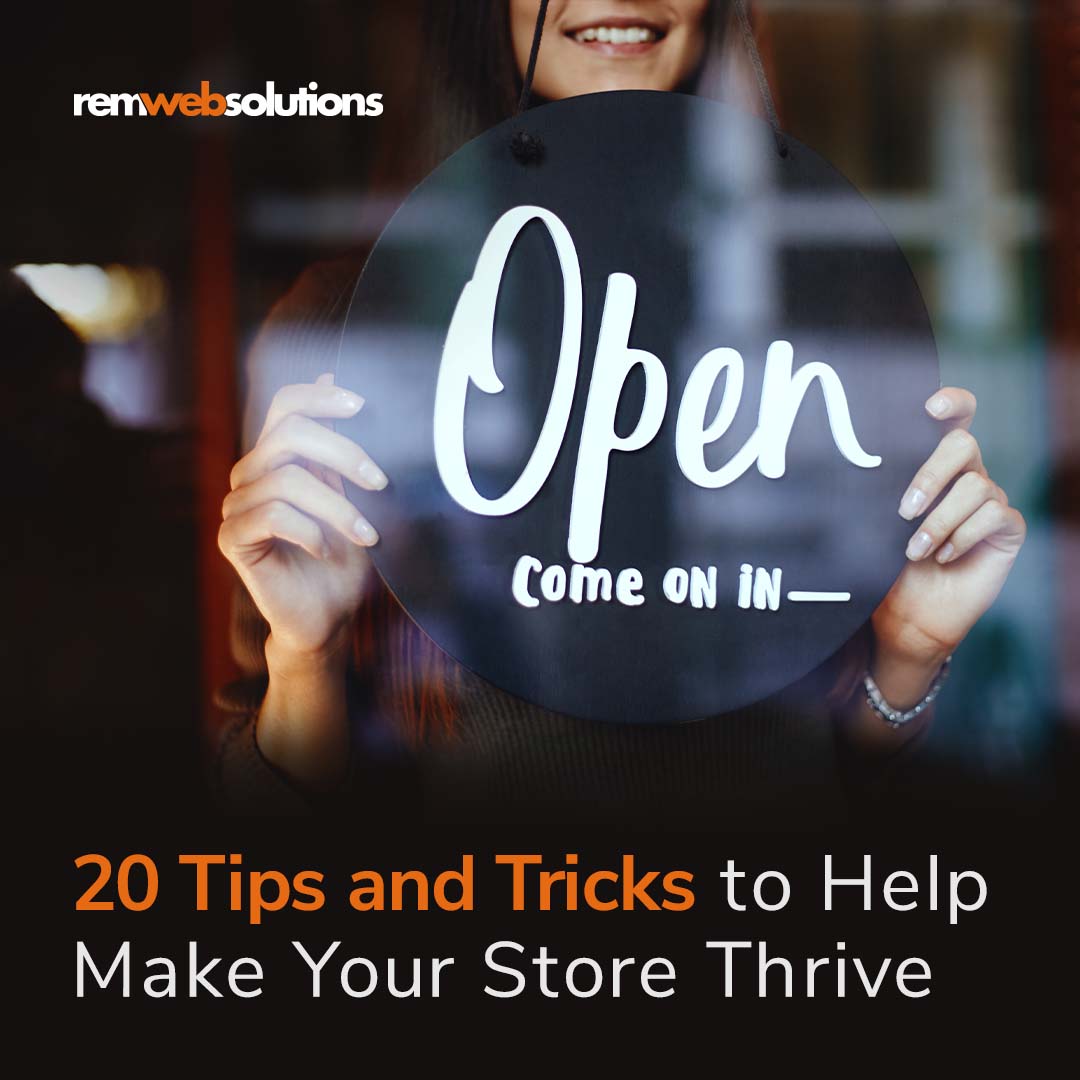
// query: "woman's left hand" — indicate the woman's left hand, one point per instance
point(960, 555)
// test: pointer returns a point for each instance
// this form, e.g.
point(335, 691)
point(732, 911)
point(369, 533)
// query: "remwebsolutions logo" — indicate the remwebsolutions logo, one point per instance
point(303, 102)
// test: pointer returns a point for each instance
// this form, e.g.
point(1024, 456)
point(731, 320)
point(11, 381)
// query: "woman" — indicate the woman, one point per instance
point(335, 660)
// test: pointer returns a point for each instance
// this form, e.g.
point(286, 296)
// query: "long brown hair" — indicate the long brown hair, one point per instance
point(416, 680)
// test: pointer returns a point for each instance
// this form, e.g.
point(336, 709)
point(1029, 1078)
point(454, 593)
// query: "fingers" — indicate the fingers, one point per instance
point(972, 491)
point(295, 485)
point(276, 520)
point(299, 437)
point(953, 404)
point(1001, 525)
point(975, 509)
point(957, 453)
point(328, 476)
point(319, 399)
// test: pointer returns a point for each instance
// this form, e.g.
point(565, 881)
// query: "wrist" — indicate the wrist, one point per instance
point(901, 638)
point(302, 726)
point(903, 679)
point(902, 683)
point(288, 663)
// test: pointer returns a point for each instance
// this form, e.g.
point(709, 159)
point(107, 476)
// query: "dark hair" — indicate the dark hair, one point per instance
point(474, 81)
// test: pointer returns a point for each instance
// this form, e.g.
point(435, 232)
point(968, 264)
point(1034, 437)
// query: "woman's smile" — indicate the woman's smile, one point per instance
point(594, 45)
point(618, 36)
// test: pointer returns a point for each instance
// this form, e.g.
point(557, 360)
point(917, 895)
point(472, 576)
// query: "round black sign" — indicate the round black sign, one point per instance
point(647, 407)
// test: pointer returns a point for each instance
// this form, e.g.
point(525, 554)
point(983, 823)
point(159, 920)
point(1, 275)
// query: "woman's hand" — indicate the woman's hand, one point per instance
point(961, 554)
point(299, 546)
point(293, 536)
point(958, 560)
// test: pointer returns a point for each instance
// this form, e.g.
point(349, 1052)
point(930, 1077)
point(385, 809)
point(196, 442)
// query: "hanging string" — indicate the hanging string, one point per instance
point(762, 79)
point(530, 70)
point(526, 147)
point(529, 148)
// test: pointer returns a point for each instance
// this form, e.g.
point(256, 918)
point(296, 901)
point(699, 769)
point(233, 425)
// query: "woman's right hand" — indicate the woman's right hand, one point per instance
point(295, 539)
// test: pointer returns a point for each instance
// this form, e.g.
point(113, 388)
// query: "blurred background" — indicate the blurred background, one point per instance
point(162, 245)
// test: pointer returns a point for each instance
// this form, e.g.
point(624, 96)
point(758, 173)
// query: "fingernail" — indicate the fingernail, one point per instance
point(349, 400)
point(946, 553)
point(938, 405)
point(919, 545)
point(911, 505)
point(372, 475)
point(364, 531)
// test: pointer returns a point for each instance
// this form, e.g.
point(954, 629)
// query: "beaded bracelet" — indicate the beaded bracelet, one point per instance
point(895, 717)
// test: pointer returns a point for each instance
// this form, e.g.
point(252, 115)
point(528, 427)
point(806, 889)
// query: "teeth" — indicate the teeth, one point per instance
point(632, 35)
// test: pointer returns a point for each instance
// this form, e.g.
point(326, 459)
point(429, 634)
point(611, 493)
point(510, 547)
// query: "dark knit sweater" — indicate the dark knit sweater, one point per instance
point(776, 760)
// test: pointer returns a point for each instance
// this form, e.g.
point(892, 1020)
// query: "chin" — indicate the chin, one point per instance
point(603, 81)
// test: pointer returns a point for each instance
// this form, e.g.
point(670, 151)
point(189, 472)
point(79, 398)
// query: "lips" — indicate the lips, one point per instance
point(618, 35)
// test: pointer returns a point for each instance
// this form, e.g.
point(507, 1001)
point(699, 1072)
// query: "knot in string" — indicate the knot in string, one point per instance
point(527, 148)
